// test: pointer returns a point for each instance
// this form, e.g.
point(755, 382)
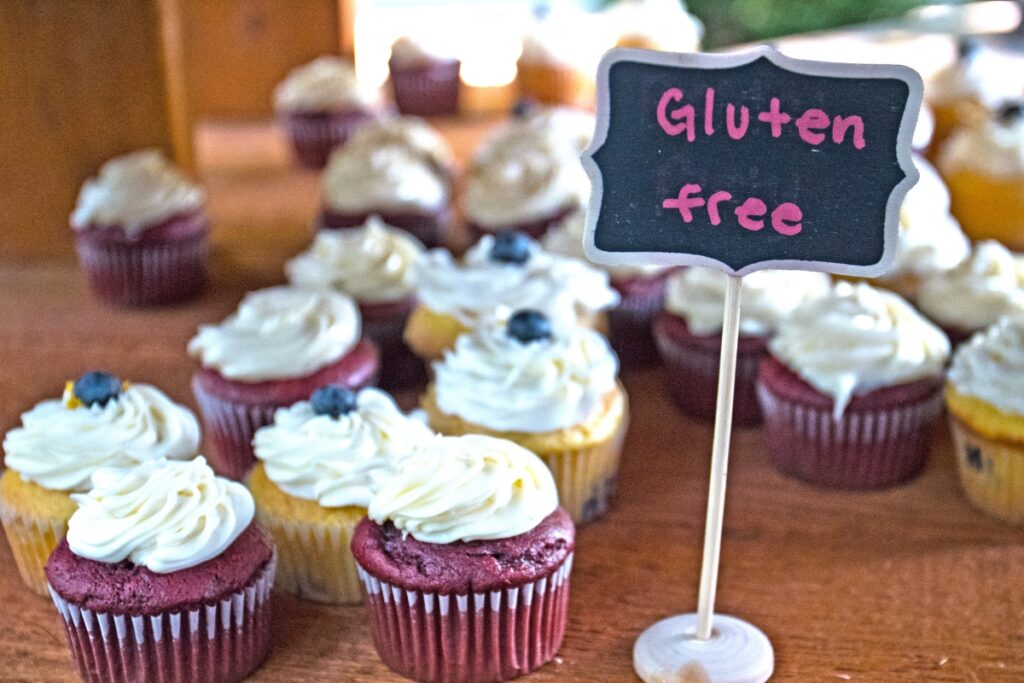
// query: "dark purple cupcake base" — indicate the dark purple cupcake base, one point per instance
point(630, 323)
point(429, 89)
point(429, 228)
point(384, 323)
point(314, 135)
point(535, 228)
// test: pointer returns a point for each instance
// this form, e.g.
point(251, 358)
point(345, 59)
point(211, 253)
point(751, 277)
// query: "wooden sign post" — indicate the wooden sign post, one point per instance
point(742, 162)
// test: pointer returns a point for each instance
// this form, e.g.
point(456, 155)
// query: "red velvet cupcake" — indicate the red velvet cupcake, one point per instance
point(275, 349)
point(476, 588)
point(375, 264)
point(141, 232)
point(425, 81)
point(852, 389)
point(689, 333)
point(141, 600)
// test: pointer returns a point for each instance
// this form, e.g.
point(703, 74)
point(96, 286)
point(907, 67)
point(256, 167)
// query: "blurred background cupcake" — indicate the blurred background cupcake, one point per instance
point(320, 105)
point(655, 25)
point(424, 77)
point(399, 169)
point(688, 333)
point(851, 389)
point(279, 345)
point(551, 389)
point(141, 231)
point(550, 68)
point(985, 400)
point(100, 422)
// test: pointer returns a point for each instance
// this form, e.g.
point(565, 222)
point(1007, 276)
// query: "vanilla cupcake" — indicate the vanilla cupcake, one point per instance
point(985, 287)
point(689, 333)
point(399, 170)
point(555, 59)
point(322, 104)
point(99, 423)
point(984, 168)
point(655, 25)
point(424, 77)
point(498, 275)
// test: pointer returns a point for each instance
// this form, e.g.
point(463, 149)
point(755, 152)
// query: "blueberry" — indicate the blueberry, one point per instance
point(528, 325)
point(333, 400)
point(967, 47)
point(974, 459)
point(96, 387)
point(1010, 112)
point(523, 107)
point(511, 247)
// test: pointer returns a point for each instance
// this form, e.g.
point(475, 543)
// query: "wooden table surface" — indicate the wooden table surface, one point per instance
point(907, 584)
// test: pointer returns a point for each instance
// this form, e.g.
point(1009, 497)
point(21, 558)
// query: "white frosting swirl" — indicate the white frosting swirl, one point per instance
point(338, 461)
point(363, 178)
point(994, 148)
point(414, 51)
point(566, 127)
point(986, 76)
point(162, 515)
point(411, 133)
point(325, 84)
point(495, 381)
point(857, 340)
point(991, 366)
point(467, 488)
point(133, 192)
point(59, 447)
point(277, 333)
point(697, 295)
point(658, 24)
point(566, 238)
point(374, 263)
point(562, 288)
point(986, 286)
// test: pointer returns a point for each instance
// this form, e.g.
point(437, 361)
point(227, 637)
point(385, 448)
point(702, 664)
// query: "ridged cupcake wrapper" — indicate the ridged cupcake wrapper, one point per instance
point(426, 92)
point(217, 643)
point(144, 273)
point(991, 472)
point(630, 328)
point(864, 449)
point(586, 477)
point(314, 138)
point(231, 427)
point(32, 540)
point(469, 637)
point(314, 561)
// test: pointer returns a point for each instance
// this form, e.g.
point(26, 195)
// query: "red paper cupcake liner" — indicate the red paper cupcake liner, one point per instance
point(430, 228)
point(426, 89)
point(535, 228)
point(314, 135)
point(881, 439)
point(217, 643)
point(468, 637)
point(630, 323)
point(691, 363)
point(150, 270)
point(384, 323)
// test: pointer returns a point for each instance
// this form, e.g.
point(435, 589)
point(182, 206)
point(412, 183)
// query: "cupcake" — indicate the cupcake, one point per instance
point(466, 558)
point(99, 423)
point(551, 390)
point(559, 52)
point(279, 345)
point(641, 293)
point(851, 389)
point(984, 168)
point(321, 104)
point(140, 232)
point(320, 462)
point(374, 264)
point(163, 576)
point(688, 333)
point(930, 240)
point(501, 273)
point(985, 400)
point(424, 78)
point(655, 25)
point(982, 289)
point(400, 170)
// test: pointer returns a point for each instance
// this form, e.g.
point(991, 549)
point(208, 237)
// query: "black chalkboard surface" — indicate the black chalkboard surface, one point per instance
point(749, 161)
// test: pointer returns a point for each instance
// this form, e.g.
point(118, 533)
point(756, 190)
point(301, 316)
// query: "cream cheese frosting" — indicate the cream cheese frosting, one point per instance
point(338, 461)
point(162, 515)
point(467, 488)
point(697, 295)
point(986, 286)
point(408, 132)
point(59, 446)
point(558, 126)
point(416, 50)
point(476, 288)
point(566, 238)
point(859, 339)
point(495, 381)
point(391, 177)
point(993, 148)
point(325, 84)
point(133, 192)
point(374, 263)
point(986, 76)
point(991, 366)
point(279, 333)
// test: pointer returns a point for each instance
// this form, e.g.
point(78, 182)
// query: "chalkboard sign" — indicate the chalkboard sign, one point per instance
point(749, 161)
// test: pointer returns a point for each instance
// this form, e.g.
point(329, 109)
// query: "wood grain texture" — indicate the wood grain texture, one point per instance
point(908, 584)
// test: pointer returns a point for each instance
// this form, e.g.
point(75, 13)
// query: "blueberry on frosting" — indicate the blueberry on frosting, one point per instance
point(96, 387)
point(333, 400)
point(511, 247)
point(528, 326)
